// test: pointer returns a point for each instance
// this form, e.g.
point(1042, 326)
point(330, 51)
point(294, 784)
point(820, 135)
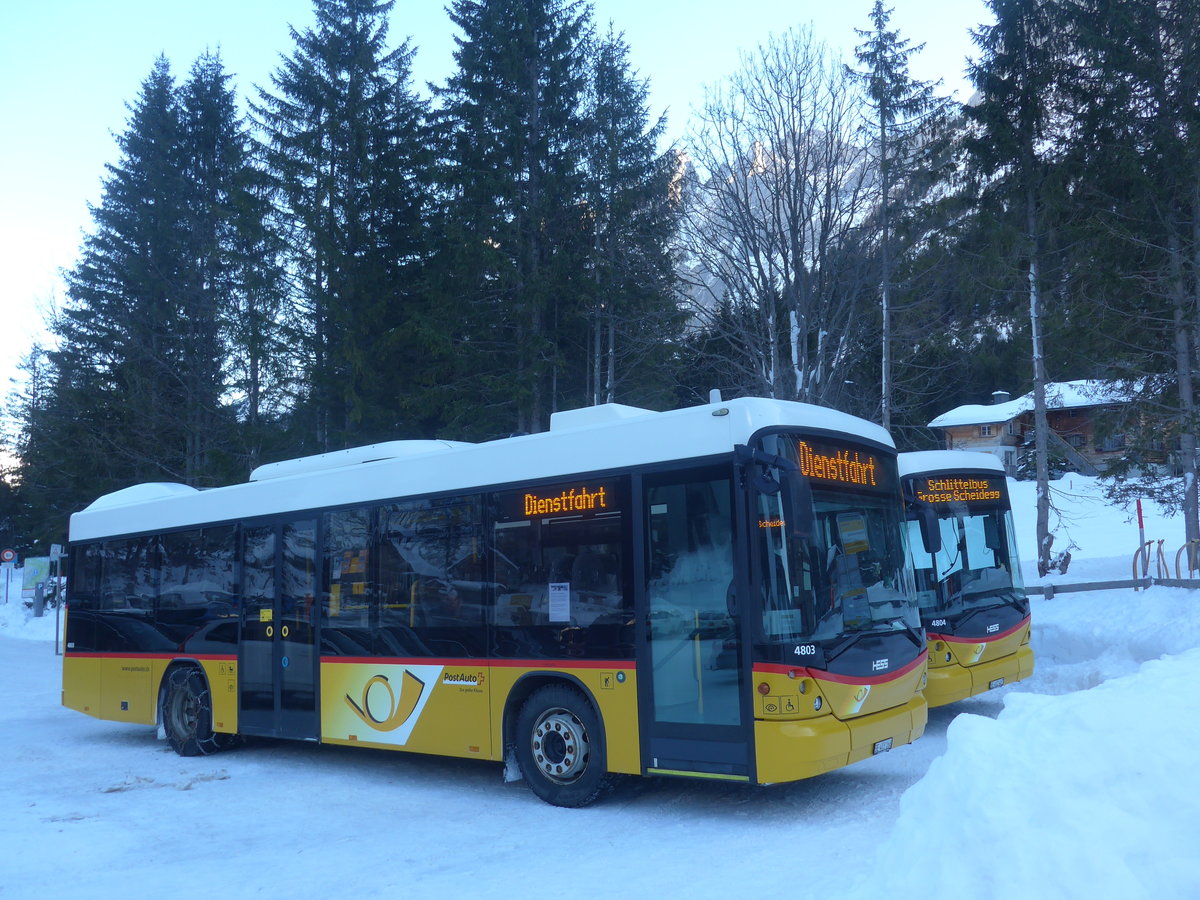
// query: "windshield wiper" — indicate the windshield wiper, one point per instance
point(1007, 595)
point(913, 635)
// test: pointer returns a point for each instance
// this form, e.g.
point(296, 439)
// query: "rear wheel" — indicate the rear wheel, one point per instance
point(560, 747)
point(187, 715)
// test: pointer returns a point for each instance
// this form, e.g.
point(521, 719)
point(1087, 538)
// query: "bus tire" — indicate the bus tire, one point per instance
point(187, 714)
point(560, 747)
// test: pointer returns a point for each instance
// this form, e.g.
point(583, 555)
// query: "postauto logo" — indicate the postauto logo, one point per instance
point(464, 679)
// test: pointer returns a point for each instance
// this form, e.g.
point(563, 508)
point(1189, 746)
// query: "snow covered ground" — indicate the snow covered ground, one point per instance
point(1080, 782)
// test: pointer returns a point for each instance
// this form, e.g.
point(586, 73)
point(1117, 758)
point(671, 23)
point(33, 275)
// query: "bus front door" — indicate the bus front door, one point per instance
point(277, 669)
point(691, 696)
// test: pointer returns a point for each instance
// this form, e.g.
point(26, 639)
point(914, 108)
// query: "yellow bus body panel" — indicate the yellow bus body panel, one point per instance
point(120, 689)
point(849, 700)
point(951, 683)
point(975, 665)
point(223, 690)
point(82, 678)
point(125, 688)
point(457, 708)
point(806, 725)
point(424, 707)
point(790, 751)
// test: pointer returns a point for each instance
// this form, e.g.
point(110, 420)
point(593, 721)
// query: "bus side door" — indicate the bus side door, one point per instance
point(277, 683)
point(694, 719)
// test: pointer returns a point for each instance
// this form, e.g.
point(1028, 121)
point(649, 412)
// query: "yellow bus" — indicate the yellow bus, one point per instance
point(968, 573)
point(717, 592)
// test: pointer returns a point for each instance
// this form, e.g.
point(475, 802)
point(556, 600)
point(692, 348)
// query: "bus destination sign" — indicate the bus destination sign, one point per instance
point(958, 489)
point(843, 465)
point(576, 499)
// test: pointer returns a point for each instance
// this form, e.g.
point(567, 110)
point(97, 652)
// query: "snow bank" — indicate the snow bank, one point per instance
point(1089, 794)
point(17, 621)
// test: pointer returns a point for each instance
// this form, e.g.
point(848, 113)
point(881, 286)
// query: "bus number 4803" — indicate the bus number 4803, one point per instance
point(806, 649)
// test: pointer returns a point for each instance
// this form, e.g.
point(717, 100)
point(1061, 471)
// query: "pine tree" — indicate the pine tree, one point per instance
point(904, 109)
point(1017, 78)
point(120, 335)
point(226, 266)
point(348, 157)
point(1136, 99)
point(633, 312)
point(136, 388)
point(515, 238)
point(108, 409)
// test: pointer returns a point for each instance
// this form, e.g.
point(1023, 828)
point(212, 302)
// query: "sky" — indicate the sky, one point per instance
point(68, 69)
point(1079, 782)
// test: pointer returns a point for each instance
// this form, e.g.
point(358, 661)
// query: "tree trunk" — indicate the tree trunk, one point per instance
point(1041, 426)
point(1187, 400)
point(610, 378)
point(885, 403)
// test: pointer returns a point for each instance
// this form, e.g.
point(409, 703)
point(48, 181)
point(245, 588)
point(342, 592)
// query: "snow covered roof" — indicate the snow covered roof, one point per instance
point(1059, 395)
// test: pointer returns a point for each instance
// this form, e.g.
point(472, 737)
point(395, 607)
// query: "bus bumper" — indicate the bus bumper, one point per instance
point(949, 684)
point(793, 750)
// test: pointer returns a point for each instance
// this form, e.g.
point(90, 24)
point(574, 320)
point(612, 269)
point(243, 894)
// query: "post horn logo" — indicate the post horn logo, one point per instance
point(397, 710)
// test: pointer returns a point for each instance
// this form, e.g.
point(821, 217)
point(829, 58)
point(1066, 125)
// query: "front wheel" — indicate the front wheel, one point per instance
point(560, 747)
point(187, 715)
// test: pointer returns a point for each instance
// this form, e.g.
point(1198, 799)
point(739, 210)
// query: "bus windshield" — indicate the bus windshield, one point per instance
point(977, 564)
point(839, 567)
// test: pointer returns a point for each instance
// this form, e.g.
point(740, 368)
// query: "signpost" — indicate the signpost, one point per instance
point(8, 558)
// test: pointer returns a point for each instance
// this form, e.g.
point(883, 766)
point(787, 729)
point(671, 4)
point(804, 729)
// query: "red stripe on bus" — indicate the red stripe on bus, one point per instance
point(88, 654)
point(986, 639)
point(477, 661)
point(836, 678)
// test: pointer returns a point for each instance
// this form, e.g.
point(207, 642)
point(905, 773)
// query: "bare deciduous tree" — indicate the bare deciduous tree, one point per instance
point(771, 237)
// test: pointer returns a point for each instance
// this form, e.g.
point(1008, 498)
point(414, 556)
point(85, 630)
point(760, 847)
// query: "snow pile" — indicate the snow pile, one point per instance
point(1088, 794)
point(17, 619)
point(1084, 784)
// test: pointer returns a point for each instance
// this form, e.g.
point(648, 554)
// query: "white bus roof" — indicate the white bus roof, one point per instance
point(593, 439)
point(922, 461)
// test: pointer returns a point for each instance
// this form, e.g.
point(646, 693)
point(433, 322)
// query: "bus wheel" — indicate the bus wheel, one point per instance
point(187, 715)
point(559, 747)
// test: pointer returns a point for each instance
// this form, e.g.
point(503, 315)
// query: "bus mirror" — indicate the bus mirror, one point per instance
point(767, 473)
point(991, 534)
point(931, 532)
point(761, 468)
point(798, 506)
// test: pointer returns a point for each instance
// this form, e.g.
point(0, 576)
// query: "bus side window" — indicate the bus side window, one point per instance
point(347, 589)
point(86, 563)
point(560, 576)
point(432, 605)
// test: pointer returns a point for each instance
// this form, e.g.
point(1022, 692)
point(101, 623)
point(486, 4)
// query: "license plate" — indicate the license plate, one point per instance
point(883, 746)
point(995, 683)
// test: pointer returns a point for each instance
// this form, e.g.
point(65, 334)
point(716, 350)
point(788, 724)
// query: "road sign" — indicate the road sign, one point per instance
point(8, 555)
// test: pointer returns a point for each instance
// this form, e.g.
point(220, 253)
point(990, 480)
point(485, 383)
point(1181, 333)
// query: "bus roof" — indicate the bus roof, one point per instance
point(594, 439)
point(923, 462)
